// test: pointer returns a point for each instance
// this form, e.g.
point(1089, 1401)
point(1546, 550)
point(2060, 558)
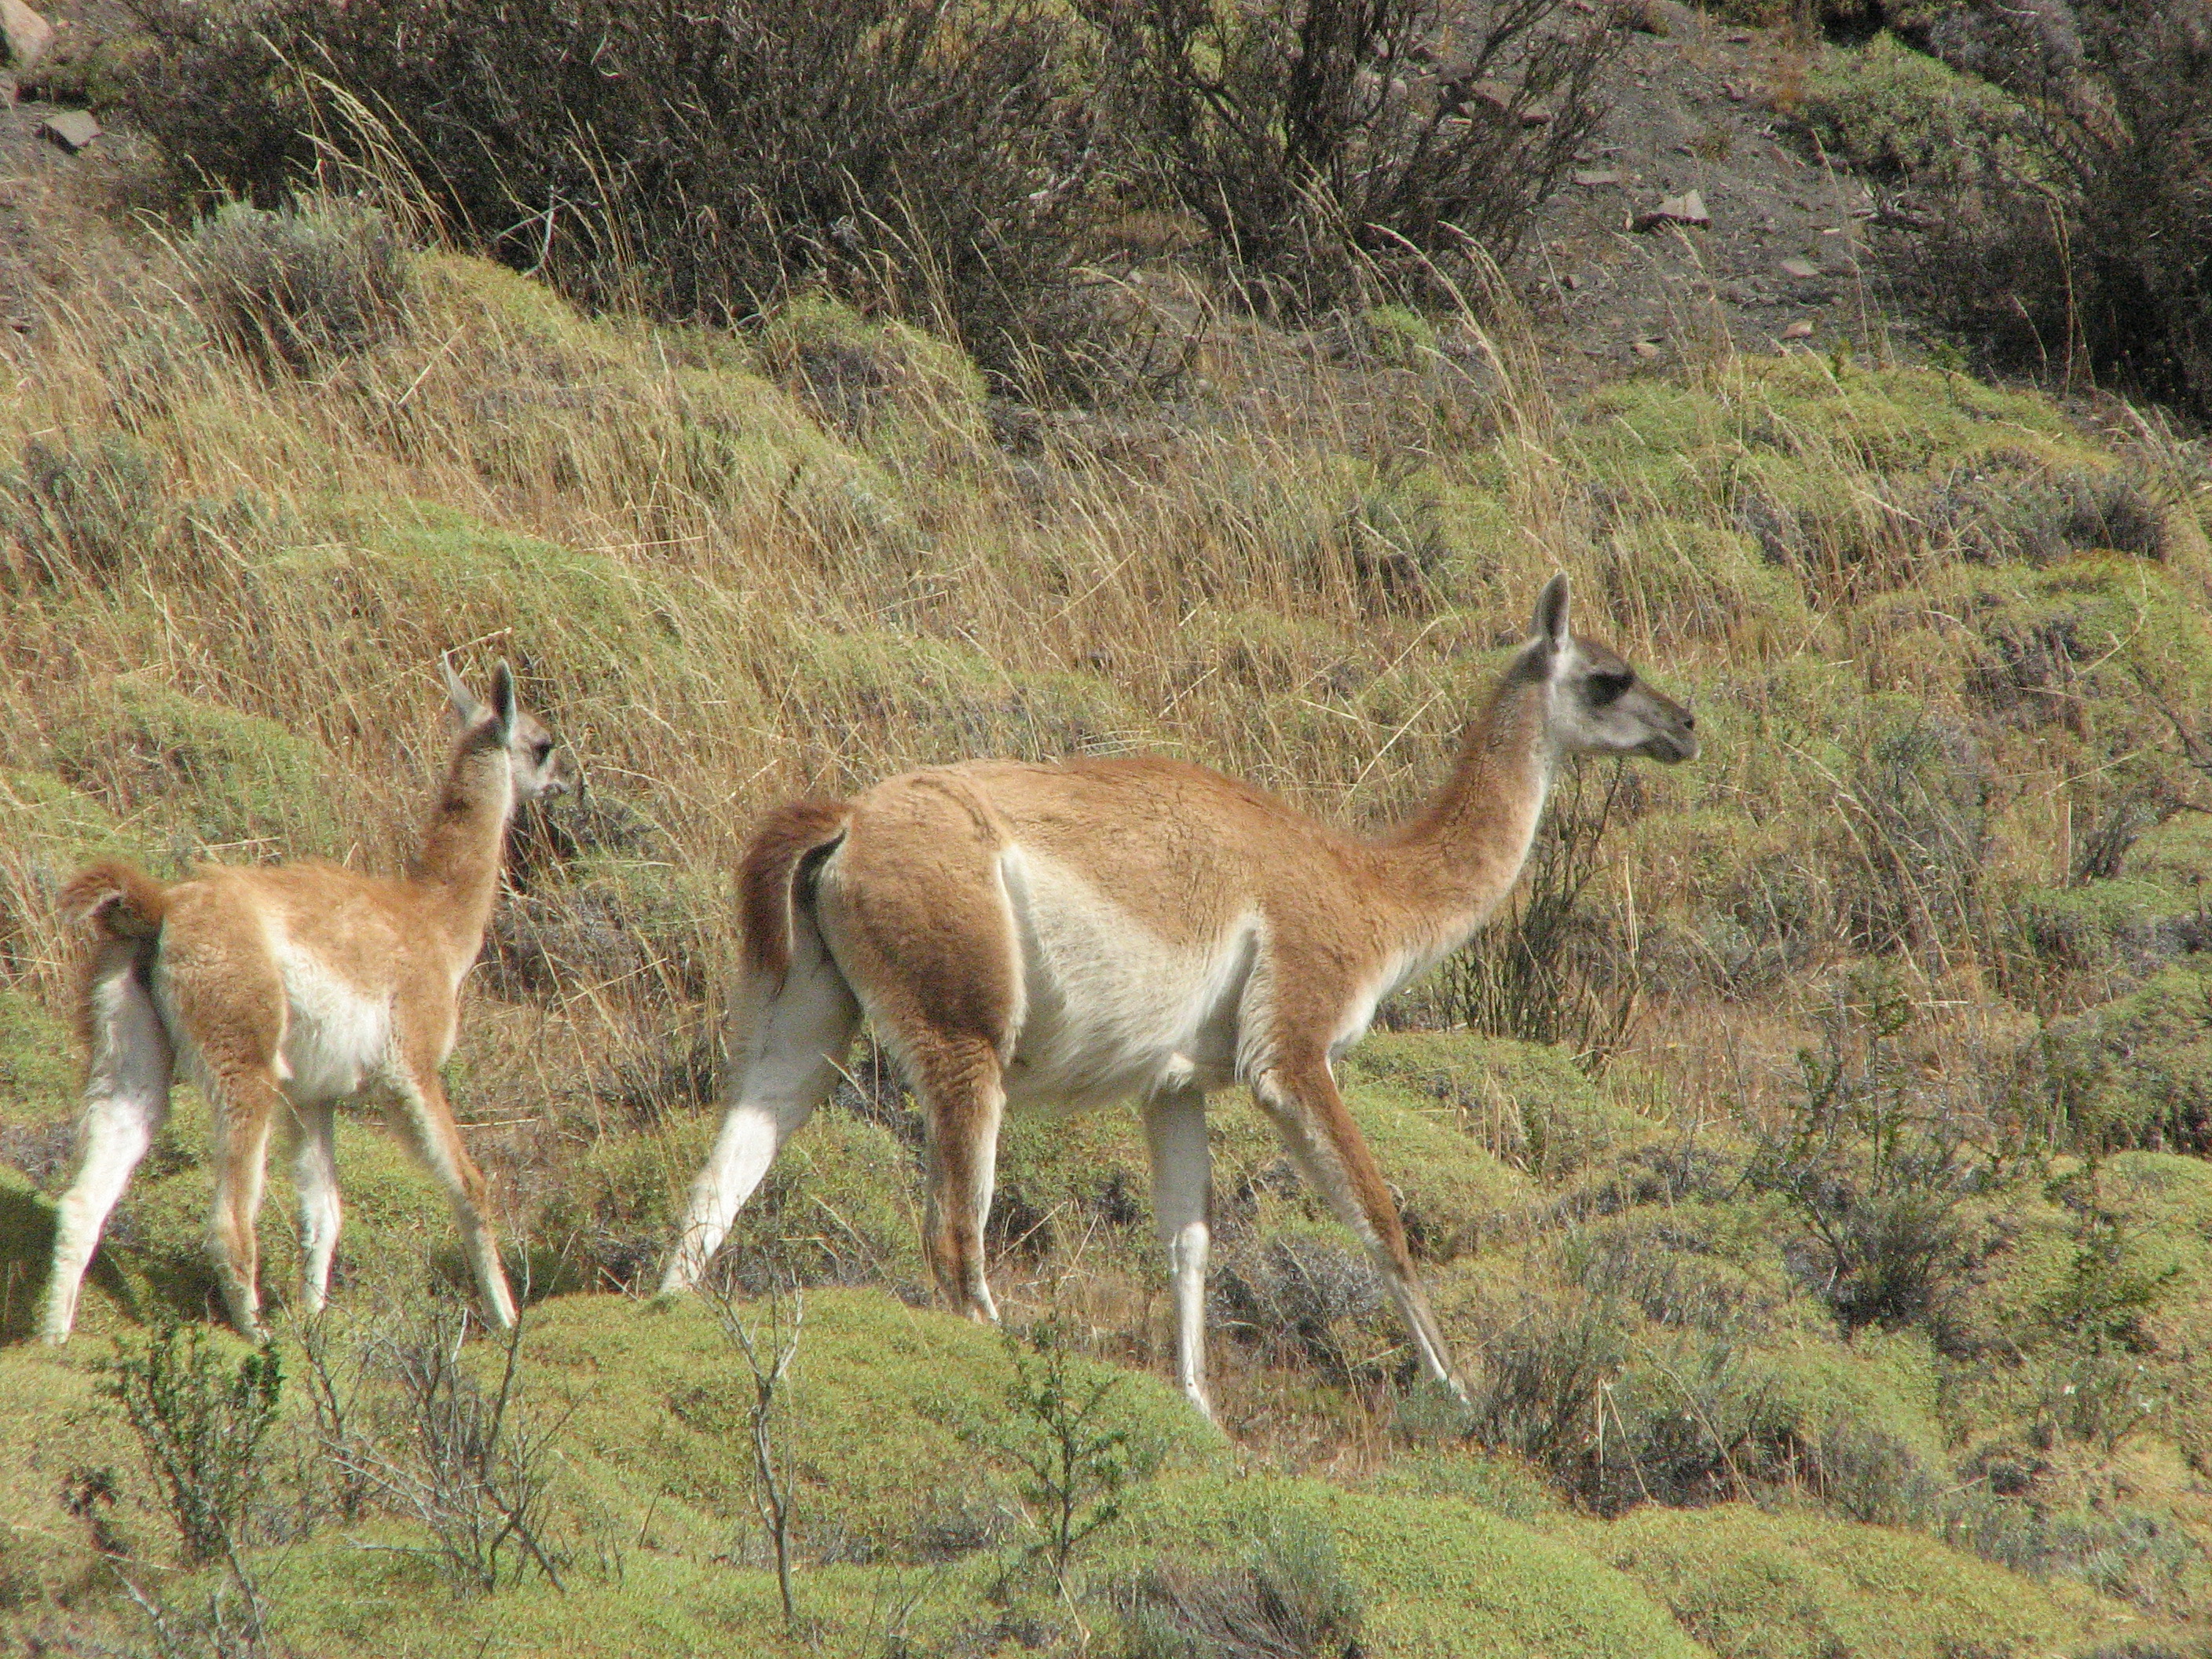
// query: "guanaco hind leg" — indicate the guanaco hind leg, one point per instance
point(962, 1099)
point(247, 1105)
point(787, 1043)
point(126, 1100)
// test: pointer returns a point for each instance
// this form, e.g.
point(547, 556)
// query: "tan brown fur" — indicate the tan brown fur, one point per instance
point(285, 990)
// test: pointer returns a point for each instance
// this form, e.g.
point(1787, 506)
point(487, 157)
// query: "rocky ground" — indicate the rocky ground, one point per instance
point(1782, 258)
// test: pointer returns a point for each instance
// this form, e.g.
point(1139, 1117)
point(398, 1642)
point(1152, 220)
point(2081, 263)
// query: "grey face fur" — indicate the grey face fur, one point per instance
point(534, 760)
point(1599, 704)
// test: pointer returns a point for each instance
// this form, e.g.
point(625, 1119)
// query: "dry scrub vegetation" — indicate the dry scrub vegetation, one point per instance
point(1814, 1161)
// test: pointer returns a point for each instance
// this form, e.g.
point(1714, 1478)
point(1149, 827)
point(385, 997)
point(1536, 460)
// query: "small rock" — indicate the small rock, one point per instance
point(1495, 93)
point(73, 128)
point(1800, 330)
point(1536, 115)
point(1800, 268)
point(1739, 38)
point(1573, 282)
point(1594, 177)
point(1645, 349)
point(1687, 208)
point(28, 34)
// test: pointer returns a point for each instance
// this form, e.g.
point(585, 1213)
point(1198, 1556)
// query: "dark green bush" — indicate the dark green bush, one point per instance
point(1876, 1168)
point(200, 1423)
point(2075, 230)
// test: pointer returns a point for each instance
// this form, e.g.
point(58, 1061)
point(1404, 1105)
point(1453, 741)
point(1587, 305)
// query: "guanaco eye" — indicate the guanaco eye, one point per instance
point(1608, 688)
point(540, 750)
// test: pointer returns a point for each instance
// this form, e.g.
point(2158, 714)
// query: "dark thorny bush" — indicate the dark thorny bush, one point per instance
point(1290, 1599)
point(1876, 1167)
point(473, 1465)
point(1318, 137)
point(294, 288)
point(702, 159)
point(199, 1422)
point(2082, 236)
point(1305, 1301)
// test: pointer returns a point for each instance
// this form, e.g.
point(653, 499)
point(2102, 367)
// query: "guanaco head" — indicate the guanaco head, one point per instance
point(1598, 704)
point(534, 761)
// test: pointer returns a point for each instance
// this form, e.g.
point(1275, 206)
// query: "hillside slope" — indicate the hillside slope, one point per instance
point(1819, 1202)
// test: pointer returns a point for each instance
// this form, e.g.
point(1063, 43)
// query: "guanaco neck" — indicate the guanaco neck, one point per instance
point(1456, 857)
point(463, 838)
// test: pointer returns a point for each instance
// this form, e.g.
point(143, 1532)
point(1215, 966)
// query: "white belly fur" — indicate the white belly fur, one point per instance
point(336, 1040)
point(1110, 1011)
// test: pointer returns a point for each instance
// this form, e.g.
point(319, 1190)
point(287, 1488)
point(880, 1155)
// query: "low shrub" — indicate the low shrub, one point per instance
point(1546, 1376)
point(78, 511)
point(472, 1464)
point(1916, 815)
point(1876, 1170)
point(1289, 1599)
point(199, 1422)
point(2137, 1071)
point(1071, 1445)
point(1306, 1300)
point(294, 288)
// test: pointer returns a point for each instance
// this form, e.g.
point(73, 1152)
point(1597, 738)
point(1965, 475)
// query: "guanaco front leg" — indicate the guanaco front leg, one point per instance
point(428, 1120)
point(1182, 1203)
point(1301, 1100)
point(315, 1180)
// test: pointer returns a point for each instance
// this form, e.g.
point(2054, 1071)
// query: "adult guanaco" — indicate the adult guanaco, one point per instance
point(282, 991)
point(1102, 930)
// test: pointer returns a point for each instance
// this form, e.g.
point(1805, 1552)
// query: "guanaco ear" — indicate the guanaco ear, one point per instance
point(503, 698)
point(1551, 622)
point(464, 701)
